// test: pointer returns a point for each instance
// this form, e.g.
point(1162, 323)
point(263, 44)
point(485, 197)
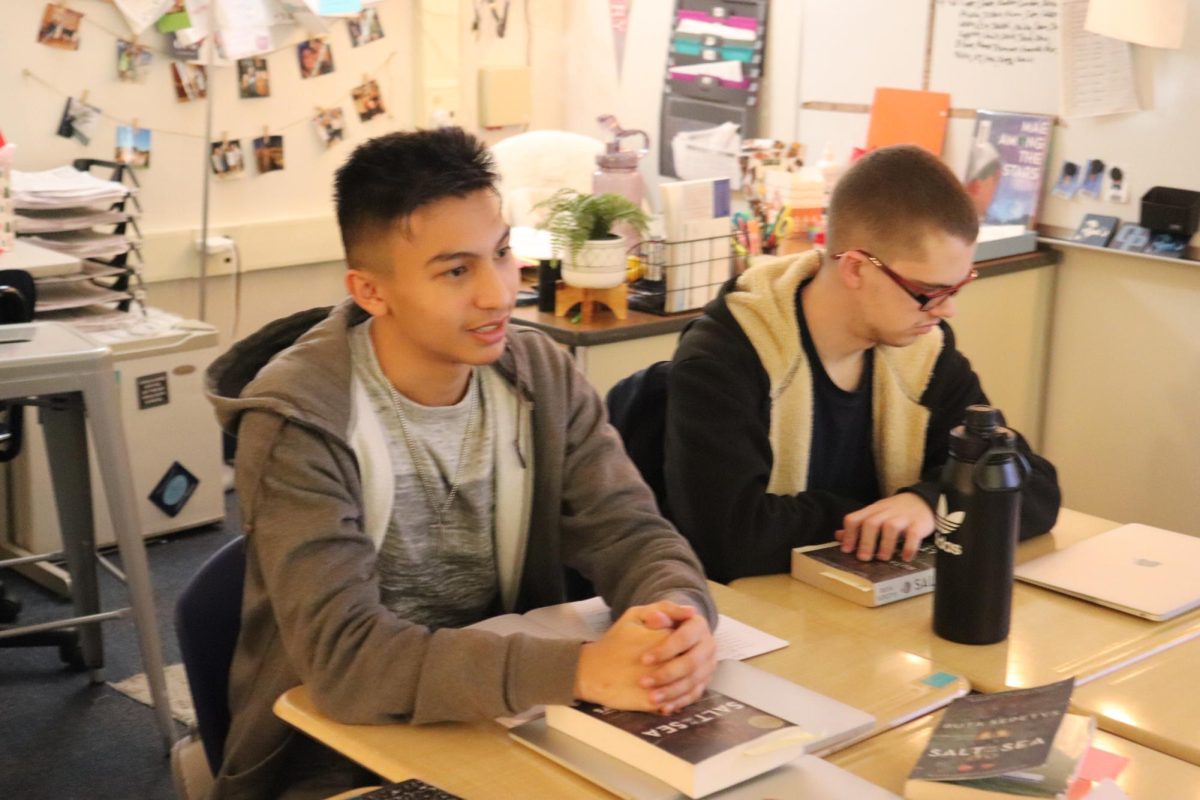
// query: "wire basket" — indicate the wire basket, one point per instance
point(681, 275)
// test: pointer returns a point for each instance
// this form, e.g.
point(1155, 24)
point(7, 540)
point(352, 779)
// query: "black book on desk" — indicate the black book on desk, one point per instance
point(1018, 743)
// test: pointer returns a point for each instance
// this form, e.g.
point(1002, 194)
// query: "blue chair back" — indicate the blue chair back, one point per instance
point(208, 617)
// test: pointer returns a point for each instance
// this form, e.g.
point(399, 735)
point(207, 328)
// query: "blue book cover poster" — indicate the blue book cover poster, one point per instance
point(1164, 243)
point(1007, 165)
point(1096, 230)
point(1131, 237)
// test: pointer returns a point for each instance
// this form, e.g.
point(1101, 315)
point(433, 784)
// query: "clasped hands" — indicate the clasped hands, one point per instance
point(657, 657)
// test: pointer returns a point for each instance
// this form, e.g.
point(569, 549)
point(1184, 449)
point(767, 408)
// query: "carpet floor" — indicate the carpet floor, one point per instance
point(65, 738)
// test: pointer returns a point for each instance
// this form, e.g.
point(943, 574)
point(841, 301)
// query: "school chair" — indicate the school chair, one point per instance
point(208, 618)
point(637, 408)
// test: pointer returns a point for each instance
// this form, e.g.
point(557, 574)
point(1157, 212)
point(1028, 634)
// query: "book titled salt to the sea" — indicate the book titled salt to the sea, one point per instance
point(1021, 742)
point(868, 583)
point(747, 723)
point(713, 743)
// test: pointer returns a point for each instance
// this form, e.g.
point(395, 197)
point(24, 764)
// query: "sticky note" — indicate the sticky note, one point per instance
point(939, 679)
point(1099, 765)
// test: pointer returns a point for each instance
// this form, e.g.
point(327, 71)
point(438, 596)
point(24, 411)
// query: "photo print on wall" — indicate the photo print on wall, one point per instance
point(78, 120)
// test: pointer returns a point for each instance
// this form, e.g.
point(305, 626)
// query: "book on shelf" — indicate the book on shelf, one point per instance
point(1096, 230)
point(589, 619)
point(868, 583)
point(1006, 166)
point(1020, 743)
point(747, 723)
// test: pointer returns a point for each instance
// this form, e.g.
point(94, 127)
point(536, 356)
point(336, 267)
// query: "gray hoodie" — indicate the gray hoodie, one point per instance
point(312, 503)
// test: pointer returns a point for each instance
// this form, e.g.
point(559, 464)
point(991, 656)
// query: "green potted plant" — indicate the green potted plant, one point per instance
point(582, 229)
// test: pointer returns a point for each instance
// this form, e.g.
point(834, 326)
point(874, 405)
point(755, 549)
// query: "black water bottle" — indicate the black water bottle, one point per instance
point(978, 518)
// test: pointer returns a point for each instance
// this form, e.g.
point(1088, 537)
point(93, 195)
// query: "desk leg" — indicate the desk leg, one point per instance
point(100, 396)
point(66, 451)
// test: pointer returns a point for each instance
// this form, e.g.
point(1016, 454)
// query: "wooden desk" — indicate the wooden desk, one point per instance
point(1154, 702)
point(480, 760)
point(887, 759)
point(1053, 636)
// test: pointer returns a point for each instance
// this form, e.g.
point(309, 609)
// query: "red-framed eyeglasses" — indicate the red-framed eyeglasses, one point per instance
point(926, 299)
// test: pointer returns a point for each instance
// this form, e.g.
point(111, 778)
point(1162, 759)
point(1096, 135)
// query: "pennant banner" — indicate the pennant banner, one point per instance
point(618, 14)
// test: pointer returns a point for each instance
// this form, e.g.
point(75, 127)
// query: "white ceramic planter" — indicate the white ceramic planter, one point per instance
point(600, 264)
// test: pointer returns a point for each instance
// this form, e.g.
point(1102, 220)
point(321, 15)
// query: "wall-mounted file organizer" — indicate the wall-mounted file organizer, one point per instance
point(714, 71)
point(684, 274)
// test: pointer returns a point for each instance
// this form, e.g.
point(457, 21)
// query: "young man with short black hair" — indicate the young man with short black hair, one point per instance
point(408, 464)
point(815, 396)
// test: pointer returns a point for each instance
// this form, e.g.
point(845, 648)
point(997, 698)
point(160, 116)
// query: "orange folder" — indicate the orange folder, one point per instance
point(909, 116)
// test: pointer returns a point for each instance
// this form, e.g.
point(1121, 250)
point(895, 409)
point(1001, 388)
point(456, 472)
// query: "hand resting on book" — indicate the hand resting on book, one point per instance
point(875, 530)
point(654, 657)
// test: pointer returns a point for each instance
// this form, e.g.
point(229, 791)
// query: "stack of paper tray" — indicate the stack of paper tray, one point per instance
point(998, 241)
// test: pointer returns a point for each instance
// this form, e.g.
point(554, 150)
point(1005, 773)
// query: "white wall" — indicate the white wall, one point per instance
point(172, 185)
point(280, 219)
point(1123, 405)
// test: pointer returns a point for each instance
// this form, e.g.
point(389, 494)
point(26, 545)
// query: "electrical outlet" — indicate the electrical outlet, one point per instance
point(215, 245)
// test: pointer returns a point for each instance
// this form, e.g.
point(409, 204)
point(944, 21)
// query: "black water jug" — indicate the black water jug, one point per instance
point(978, 518)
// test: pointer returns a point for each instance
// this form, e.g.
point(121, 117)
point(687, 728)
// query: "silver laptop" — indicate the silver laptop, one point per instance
point(1145, 571)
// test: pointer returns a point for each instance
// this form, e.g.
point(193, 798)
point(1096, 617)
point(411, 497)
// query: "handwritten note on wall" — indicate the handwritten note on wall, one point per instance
point(1004, 32)
point(997, 54)
point(1095, 72)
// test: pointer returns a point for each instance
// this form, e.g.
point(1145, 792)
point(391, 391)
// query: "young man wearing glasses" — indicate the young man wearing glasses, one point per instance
point(814, 398)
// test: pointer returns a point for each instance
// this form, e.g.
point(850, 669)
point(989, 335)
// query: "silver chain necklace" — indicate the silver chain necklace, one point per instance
point(438, 512)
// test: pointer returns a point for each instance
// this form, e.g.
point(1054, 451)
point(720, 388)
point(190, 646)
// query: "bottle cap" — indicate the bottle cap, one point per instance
point(982, 420)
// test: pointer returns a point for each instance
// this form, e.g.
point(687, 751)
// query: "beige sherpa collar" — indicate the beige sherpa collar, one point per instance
point(765, 308)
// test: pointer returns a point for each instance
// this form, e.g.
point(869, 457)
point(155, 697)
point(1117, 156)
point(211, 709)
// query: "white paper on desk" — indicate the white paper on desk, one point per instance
point(1154, 23)
point(1095, 73)
point(141, 14)
point(589, 619)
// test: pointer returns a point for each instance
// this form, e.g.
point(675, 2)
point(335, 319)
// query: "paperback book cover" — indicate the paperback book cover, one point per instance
point(1096, 230)
point(868, 583)
point(1021, 742)
point(706, 728)
point(713, 743)
point(1007, 165)
point(1131, 238)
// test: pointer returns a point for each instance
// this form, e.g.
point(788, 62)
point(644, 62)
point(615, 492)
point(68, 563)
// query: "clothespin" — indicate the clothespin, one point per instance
point(366, 79)
point(224, 138)
point(83, 96)
point(501, 21)
point(135, 124)
point(266, 134)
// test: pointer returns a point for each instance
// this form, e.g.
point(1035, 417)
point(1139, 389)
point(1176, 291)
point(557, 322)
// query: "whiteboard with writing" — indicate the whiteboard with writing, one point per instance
point(997, 54)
